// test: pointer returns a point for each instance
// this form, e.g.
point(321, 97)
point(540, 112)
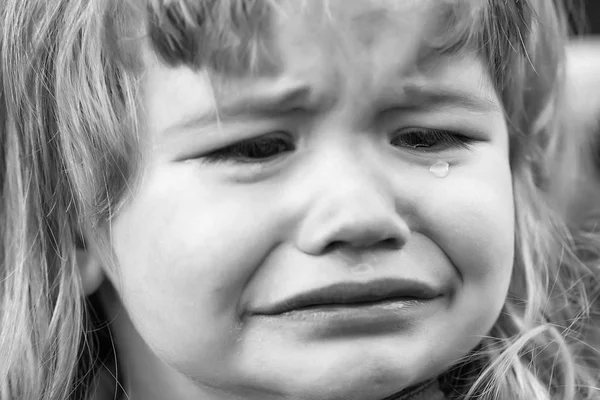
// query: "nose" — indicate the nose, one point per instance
point(352, 209)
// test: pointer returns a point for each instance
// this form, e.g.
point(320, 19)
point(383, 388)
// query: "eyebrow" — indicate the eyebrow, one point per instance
point(273, 103)
point(419, 96)
point(268, 104)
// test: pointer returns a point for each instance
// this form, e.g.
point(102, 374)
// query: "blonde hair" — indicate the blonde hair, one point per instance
point(71, 150)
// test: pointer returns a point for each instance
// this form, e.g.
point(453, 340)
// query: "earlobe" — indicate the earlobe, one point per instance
point(90, 270)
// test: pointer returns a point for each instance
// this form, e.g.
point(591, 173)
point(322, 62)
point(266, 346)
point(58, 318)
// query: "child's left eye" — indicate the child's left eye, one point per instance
point(430, 140)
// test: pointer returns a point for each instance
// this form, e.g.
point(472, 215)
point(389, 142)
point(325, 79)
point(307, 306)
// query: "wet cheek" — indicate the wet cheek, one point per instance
point(477, 229)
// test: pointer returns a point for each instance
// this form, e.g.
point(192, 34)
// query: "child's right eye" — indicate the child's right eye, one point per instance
point(258, 150)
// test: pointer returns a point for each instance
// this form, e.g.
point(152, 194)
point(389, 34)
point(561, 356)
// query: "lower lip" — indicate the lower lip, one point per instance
point(363, 318)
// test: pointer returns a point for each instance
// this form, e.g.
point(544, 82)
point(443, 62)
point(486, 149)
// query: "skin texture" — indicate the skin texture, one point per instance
point(344, 198)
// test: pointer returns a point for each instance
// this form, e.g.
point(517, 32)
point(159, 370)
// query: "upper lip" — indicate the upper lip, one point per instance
point(352, 293)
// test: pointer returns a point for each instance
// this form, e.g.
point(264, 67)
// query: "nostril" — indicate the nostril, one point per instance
point(385, 244)
point(334, 246)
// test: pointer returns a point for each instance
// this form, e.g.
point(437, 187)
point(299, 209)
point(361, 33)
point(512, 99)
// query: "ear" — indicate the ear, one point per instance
point(90, 269)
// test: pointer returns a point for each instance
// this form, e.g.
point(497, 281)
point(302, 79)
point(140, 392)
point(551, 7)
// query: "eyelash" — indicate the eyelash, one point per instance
point(273, 145)
point(240, 152)
point(422, 140)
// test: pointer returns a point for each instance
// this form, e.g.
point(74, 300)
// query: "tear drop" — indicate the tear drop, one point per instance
point(441, 169)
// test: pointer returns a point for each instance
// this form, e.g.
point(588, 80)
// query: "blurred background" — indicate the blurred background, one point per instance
point(592, 10)
point(576, 161)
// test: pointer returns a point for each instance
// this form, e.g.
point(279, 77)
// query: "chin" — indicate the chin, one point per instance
point(338, 387)
point(349, 375)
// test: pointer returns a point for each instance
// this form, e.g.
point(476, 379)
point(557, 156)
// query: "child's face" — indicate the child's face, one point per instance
point(331, 188)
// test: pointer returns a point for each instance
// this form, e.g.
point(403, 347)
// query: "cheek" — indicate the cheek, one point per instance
point(474, 214)
point(474, 226)
point(185, 253)
point(481, 227)
point(471, 219)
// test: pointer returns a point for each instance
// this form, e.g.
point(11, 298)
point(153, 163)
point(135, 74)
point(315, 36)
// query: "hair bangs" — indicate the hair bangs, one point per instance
point(229, 36)
point(497, 31)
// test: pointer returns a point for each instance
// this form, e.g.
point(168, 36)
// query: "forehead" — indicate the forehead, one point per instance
point(352, 33)
point(238, 37)
point(370, 53)
point(360, 20)
point(235, 37)
point(341, 45)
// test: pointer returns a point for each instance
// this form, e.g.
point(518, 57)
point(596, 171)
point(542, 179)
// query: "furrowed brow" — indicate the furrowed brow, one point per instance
point(269, 103)
point(413, 96)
